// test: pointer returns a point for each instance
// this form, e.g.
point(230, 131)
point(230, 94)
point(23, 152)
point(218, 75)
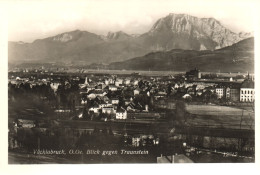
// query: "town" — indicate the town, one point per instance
point(180, 113)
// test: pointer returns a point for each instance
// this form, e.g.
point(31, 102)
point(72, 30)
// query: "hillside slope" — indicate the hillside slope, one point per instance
point(236, 58)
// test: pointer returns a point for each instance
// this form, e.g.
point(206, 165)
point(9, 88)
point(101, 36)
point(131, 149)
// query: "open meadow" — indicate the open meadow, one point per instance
point(221, 116)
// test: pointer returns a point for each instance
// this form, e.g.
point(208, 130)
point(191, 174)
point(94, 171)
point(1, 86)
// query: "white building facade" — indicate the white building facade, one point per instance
point(247, 91)
point(247, 94)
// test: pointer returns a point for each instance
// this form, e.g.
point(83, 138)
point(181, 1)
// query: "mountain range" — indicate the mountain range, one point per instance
point(236, 58)
point(169, 34)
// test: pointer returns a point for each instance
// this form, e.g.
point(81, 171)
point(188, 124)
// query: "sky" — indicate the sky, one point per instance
point(29, 20)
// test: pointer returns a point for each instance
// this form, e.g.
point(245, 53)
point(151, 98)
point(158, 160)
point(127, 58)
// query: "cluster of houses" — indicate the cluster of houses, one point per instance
point(110, 96)
point(233, 91)
point(32, 81)
point(129, 96)
point(114, 96)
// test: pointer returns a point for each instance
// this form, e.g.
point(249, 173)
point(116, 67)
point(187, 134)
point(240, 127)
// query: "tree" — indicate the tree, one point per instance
point(85, 114)
point(206, 96)
point(213, 97)
point(180, 112)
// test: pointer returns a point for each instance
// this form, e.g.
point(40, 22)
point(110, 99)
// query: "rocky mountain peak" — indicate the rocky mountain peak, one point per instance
point(183, 23)
point(63, 37)
point(67, 36)
point(246, 34)
point(119, 35)
point(196, 29)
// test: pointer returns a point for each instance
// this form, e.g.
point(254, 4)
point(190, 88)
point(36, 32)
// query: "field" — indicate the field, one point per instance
point(217, 110)
point(221, 117)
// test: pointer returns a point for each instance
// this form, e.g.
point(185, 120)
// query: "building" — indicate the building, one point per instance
point(191, 90)
point(136, 141)
point(121, 113)
point(160, 94)
point(111, 81)
point(187, 96)
point(220, 91)
point(106, 82)
point(108, 110)
point(137, 91)
point(84, 101)
point(104, 104)
point(91, 87)
point(176, 86)
point(127, 82)
point(95, 108)
point(112, 88)
point(100, 93)
point(135, 82)
point(24, 123)
point(54, 86)
point(230, 91)
point(234, 92)
point(99, 87)
point(193, 74)
point(227, 93)
point(247, 91)
point(114, 101)
point(118, 82)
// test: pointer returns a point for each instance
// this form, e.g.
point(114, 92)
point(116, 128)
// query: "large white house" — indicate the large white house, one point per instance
point(247, 91)
point(220, 91)
point(118, 82)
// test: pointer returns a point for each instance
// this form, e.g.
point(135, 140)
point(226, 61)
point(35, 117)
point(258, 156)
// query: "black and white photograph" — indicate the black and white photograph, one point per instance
point(131, 82)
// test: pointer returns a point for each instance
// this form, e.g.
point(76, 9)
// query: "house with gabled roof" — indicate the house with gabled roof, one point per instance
point(95, 108)
point(137, 91)
point(108, 110)
point(112, 88)
point(121, 113)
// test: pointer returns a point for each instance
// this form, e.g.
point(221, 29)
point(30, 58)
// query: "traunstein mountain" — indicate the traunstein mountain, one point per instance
point(181, 31)
point(175, 31)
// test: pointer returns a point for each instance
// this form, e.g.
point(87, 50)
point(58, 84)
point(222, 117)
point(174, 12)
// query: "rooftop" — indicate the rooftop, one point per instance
point(248, 84)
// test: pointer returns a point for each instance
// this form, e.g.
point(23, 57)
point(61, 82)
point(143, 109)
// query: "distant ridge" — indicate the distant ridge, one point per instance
point(175, 31)
point(236, 58)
